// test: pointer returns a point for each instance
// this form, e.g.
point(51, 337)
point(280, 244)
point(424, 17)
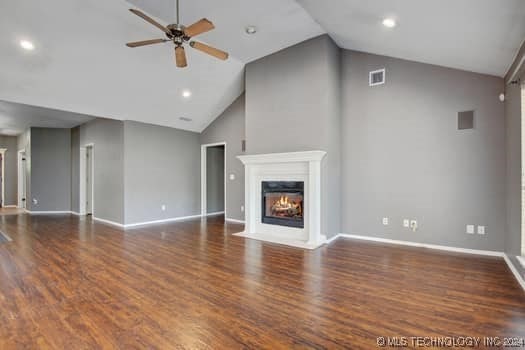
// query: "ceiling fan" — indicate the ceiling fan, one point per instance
point(179, 35)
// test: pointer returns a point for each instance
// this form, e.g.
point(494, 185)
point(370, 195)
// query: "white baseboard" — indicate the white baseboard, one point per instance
point(235, 220)
point(515, 272)
point(109, 222)
point(421, 245)
point(10, 206)
point(215, 214)
point(48, 212)
point(521, 259)
point(162, 221)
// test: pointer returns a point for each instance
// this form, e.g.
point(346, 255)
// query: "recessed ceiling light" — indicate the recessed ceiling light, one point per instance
point(389, 22)
point(184, 119)
point(251, 30)
point(186, 93)
point(27, 45)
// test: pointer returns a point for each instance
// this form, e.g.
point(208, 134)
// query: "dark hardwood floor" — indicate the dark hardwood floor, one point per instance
point(67, 283)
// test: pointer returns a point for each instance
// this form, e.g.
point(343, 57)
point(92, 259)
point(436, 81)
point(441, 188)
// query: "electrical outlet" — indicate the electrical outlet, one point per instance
point(385, 221)
point(232, 177)
point(470, 229)
point(481, 230)
point(406, 223)
point(35, 201)
point(413, 225)
point(242, 208)
point(163, 207)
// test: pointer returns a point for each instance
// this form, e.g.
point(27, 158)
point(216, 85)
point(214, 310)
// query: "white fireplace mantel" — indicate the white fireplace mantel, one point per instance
point(292, 166)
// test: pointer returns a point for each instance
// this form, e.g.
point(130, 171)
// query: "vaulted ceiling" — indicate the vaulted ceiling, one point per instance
point(80, 62)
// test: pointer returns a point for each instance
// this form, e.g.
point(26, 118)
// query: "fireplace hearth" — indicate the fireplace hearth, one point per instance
point(283, 203)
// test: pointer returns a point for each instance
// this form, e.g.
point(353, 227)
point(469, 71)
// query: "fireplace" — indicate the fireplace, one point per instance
point(283, 203)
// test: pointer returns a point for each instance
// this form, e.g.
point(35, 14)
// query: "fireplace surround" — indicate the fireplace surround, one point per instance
point(283, 198)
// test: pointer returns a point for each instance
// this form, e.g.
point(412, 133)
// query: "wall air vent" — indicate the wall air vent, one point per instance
point(466, 120)
point(377, 77)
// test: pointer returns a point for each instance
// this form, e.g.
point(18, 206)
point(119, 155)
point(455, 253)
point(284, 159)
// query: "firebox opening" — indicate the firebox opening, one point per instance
point(283, 203)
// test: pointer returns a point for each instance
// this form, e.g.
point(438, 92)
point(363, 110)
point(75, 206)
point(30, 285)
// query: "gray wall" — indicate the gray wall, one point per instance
point(293, 104)
point(404, 158)
point(214, 179)
point(10, 168)
point(229, 127)
point(108, 139)
point(50, 169)
point(161, 167)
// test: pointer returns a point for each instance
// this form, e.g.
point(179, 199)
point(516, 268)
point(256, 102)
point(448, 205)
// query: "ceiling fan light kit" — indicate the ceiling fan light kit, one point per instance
point(180, 35)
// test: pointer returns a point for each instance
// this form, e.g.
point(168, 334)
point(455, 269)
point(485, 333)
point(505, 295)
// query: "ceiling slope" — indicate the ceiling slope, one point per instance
point(475, 35)
point(81, 64)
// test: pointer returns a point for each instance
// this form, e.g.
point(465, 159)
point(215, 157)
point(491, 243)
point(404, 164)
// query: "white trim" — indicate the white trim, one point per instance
point(514, 271)
point(308, 156)
point(75, 213)
point(9, 239)
point(331, 239)
point(49, 212)
point(21, 180)
point(10, 206)
point(2, 152)
point(235, 220)
point(109, 222)
point(162, 221)
point(521, 259)
point(204, 148)
point(279, 240)
point(422, 245)
point(511, 77)
point(215, 214)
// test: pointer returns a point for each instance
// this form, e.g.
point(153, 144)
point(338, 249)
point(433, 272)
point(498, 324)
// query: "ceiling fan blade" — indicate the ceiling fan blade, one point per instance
point(180, 57)
point(151, 21)
point(146, 42)
point(199, 27)
point(209, 50)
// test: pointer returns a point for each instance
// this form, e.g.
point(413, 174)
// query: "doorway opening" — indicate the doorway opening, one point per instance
point(213, 179)
point(2, 172)
point(523, 173)
point(87, 180)
point(22, 179)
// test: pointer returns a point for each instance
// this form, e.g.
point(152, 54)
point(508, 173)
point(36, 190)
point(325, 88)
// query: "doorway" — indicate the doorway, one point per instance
point(87, 180)
point(22, 179)
point(213, 179)
point(2, 171)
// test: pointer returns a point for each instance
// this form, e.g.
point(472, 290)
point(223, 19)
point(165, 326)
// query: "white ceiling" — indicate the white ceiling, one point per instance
point(81, 64)
point(15, 118)
point(476, 35)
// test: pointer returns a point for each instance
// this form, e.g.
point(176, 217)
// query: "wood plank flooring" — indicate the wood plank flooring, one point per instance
point(67, 283)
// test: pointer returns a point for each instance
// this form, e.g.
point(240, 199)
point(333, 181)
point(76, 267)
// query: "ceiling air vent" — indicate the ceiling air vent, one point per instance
point(377, 77)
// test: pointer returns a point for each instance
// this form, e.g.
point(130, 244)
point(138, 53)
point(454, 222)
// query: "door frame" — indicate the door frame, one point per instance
point(22, 170)
point(2, 152)
point(204, 148)
point(82, 208)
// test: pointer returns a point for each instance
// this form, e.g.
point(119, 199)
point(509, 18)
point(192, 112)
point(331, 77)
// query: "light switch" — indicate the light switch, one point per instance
point(406, 223)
